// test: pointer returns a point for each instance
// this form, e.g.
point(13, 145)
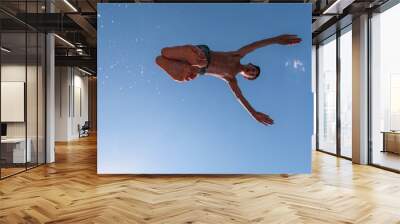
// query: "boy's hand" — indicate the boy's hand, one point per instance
point(263, 118)
point(287, 39)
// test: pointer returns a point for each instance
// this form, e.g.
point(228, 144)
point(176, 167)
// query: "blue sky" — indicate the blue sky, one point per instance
point(150, 124)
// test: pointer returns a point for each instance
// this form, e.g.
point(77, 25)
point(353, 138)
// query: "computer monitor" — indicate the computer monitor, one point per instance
point(3, 129)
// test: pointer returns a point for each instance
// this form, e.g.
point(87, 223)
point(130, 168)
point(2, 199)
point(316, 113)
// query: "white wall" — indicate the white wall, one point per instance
point(70, 83)
point(14, 72)
point(17, 73)
point(81, 89)
point(13, 101)
point(62, 82)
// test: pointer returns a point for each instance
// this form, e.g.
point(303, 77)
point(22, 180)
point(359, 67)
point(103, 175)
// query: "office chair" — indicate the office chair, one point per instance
point(84, 130)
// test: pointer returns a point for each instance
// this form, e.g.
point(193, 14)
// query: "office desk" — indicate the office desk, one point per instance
point(391, 141)
point(13, 150)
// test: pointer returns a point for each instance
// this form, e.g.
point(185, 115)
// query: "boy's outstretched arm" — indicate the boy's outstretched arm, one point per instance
point(260, 117)
point(286, 39)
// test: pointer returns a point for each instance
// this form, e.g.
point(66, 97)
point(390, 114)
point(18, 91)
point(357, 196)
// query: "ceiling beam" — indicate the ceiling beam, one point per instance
point(86, 26)
point(337, 6)
point(81, 61)
point(46, 22)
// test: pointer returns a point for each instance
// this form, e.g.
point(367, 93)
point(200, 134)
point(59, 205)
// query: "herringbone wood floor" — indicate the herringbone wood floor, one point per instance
point(69, 191)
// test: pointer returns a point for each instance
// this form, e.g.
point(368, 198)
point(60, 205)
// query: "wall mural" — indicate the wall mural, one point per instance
point(204, 88)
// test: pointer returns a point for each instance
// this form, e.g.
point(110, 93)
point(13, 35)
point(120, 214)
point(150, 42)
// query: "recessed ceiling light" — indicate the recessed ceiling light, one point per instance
point(65, 41)
point(5, 50)
point(84, 71)
point(70, 5)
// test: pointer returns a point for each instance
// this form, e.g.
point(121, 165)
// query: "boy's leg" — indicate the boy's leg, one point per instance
point(179, 71)
point(188, 53)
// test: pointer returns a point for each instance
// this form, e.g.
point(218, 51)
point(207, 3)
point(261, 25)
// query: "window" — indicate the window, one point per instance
point(327, 95)
point(385, 89)
point(346, 92)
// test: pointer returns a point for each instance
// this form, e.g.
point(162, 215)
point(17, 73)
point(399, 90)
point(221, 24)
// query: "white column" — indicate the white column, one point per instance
point(63, 84)
point(314, 92)
point(50, 92)
point(50, 100)
point(360, 90)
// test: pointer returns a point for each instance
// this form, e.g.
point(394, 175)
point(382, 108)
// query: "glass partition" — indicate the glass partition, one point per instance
point(22, 101)
point(32, 95)
point(14, 153)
